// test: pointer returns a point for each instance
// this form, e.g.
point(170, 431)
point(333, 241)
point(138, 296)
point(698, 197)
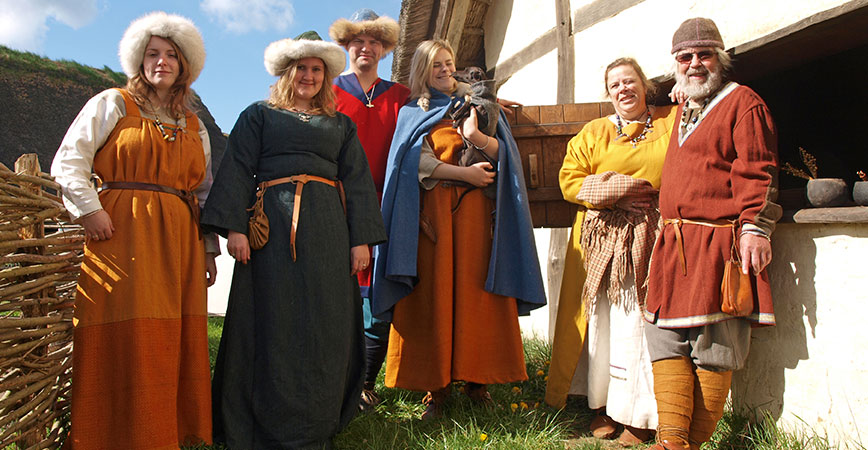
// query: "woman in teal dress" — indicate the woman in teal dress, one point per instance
point(290, 366)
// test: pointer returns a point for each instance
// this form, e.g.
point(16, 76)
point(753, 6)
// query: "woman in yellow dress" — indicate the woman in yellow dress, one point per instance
point(612, 170)
point(141, 376)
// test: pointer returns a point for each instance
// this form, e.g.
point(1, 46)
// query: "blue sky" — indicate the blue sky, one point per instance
point(236, 33)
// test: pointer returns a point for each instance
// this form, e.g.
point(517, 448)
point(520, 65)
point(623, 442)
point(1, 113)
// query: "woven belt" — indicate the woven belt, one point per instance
point(679, 241)
point(300, 181)
point(187, 196)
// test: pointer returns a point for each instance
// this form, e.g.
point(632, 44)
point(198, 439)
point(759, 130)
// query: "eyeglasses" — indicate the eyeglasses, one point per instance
point(685, 58)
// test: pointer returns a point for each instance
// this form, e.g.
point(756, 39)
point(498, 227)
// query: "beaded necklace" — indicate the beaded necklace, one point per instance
point(302, 114)
point(687, 123)
point(620, 128)
point(160, 126)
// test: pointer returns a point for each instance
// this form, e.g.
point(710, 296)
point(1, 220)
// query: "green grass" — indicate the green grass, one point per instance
point(13, 62)
point(520, 420)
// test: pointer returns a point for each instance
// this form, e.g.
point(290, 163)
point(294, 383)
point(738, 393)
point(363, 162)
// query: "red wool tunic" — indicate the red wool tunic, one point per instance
point(724, 169)
point(375, 126)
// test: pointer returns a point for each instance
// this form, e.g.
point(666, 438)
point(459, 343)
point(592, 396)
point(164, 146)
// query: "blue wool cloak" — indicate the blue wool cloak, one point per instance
point(513, 267)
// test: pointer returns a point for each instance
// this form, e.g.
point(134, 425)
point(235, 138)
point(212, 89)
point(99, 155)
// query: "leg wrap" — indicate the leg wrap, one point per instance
point(709, 399)
point(673, 388)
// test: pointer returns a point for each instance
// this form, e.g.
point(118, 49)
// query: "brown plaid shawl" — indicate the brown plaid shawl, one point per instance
point(615, 240)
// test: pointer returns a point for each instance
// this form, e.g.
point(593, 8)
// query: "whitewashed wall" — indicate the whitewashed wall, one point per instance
point(643, 31)
point(811, 367)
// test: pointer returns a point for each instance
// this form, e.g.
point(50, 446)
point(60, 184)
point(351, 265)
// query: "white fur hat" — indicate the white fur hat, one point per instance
point(366, 21)
point(278, 54)
point(179, 30)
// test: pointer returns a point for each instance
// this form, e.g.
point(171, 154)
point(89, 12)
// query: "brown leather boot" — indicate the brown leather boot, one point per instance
point(435, 402)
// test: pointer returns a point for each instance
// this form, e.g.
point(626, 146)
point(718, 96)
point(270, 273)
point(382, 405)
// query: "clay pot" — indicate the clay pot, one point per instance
point(827, 192)
point(860, 193)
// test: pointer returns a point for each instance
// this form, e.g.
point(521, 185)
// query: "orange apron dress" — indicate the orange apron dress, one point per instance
point(141, 375)
point(449, 328)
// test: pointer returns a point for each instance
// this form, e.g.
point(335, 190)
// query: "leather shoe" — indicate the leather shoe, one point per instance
point(634, 436)
point(603, 427)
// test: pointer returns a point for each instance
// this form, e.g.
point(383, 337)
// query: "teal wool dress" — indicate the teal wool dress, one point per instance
point(290, 367)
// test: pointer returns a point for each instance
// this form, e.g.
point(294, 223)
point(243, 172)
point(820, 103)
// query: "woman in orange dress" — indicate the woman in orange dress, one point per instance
point(456, 288)
point(141, 377)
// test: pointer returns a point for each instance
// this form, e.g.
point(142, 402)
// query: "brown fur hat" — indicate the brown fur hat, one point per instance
point(365, 21)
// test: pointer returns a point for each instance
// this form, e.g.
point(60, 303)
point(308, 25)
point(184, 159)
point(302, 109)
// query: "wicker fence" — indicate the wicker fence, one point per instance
point(39, 263)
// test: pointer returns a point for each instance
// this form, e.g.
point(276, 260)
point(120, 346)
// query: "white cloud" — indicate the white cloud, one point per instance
point(243, 16)
point(23, 24)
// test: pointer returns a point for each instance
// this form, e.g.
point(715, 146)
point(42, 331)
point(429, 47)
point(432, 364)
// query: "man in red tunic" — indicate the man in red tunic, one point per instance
point(718, 185)
point(373, 104)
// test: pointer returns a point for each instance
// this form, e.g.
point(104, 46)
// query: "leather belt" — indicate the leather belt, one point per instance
point(679, 240)
point(187, 196)
point(300, 181)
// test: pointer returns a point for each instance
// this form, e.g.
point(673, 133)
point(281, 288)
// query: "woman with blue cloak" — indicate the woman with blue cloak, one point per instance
point(458, 267)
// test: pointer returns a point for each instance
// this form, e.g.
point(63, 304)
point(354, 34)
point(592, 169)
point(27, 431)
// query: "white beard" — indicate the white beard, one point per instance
point(699, 90)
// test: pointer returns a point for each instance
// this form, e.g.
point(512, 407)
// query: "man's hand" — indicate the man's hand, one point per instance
point(755, 251)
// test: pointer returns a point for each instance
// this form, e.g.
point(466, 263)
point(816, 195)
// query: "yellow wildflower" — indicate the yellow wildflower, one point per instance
point(523, 406)
point(540, 373)
point(513, 406)
point(483, 437)
point(516, 390)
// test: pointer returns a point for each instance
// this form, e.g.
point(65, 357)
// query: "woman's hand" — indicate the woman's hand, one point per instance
point(469, 129)
point(480, 174)
point(677, 94)
point(98, 226)
point(210, 268)
point(360, 258)
point(238, 247)
point(635, 203)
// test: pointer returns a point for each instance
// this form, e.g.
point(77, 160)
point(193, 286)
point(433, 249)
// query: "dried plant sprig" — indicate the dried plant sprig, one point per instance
point(810, 162)
point(862, 175)
point(796, 172)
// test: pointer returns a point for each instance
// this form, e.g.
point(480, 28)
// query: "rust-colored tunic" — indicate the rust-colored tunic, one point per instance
point(725, 169)
point(449, 328)
point(141, 377)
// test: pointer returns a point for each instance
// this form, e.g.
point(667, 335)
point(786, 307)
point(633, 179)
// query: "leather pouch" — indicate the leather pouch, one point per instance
point(257, 226)
point(736, 291)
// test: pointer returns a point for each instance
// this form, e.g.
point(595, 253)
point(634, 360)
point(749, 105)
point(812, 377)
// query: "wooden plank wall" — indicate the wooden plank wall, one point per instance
point(542, 133)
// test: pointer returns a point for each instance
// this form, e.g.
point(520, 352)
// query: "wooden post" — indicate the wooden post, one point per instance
point(559, 238)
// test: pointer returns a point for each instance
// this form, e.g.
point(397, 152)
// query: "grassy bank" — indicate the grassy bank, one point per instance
point(519, 420)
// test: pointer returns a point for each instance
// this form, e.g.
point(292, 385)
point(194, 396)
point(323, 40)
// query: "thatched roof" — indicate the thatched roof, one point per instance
point(458, 21)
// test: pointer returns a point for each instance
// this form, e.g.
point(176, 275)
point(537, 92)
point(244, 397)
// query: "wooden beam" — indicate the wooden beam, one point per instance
point(566, 54)
point(536, 49)
point(441, 21)
point(583, 18)
point(456, 23)
point(598, 11)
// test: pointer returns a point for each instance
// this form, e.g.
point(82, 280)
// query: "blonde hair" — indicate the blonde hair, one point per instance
point(283, 95)
point(650, 86)
point(180, 94)
point(423, 63)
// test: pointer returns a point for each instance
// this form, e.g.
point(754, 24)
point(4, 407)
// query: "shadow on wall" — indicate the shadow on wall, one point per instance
point(758, 389)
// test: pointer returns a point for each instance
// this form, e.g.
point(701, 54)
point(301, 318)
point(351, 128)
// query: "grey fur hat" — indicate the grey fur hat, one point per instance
point(278, 54)
point(179, 30)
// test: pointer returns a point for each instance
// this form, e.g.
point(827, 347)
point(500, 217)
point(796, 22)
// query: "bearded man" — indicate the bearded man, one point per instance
point(719, 184)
